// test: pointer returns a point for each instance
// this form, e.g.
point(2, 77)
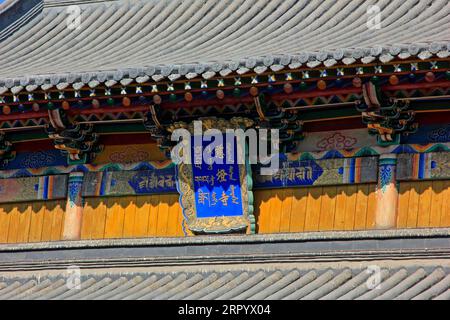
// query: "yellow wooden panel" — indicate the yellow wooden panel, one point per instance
point(350, 207)
point(328, 208)
point(286, 209)
point(423, 214)
point(173, 217)
point(341, 200)
point(413, 207)
point(180, 232)
point(99, 218)
point(58, 211)
point(403, 204)
point(361, 207)
point(88, 218)
point(313, 208)
point(262, 210)
point(130, 215)
point(47, 222)
point(37, 222)
point(437, 198)
point(114, 218)
point(14, 224)
point(371, 206)
point(275, 211)
point(153, 215)
point(163, 215)
point(142, 216)
point(24, 222)
point(445, 213)
point(4, 223)
point(300, 198)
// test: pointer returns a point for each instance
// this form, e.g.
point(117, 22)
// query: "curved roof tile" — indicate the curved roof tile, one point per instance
point(165, 38)
point(271, 282)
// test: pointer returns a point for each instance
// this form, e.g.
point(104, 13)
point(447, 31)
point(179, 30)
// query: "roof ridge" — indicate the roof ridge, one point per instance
point(16, 13)
point(64, 3)
point(5, 5)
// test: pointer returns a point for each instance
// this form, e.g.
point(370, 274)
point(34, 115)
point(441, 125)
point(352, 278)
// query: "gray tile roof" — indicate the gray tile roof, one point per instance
point(241, 282)
point(412, 264)
point(143, 39)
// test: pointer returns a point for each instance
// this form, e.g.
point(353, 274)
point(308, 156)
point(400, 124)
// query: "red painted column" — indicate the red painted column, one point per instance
point(74, 207)
point(387, 192)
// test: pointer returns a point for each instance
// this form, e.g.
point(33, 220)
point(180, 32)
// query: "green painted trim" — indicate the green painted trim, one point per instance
point(251, 215)
point(83, 160)
point(387, 161)
point(26, 136)
point(382, 143)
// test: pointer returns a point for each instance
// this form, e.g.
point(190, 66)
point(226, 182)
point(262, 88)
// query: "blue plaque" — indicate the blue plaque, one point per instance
point(215, 195)
point(217, 187)
point(291, 173)
point(153, 181)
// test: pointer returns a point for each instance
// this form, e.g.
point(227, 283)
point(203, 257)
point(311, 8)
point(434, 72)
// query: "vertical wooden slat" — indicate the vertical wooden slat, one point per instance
point(275, 211)
point(37, 220)
point(99, 218)
point(58, 213)
point(423, 215)
point(87, 220)
point(300, 198)
point(350, 207)
point(14, 224)
point(361, 207)
point(403, 204)
point(286, 209)
point(24, 222)
point(413, 207)
point(445, 211)
point(437, 192)
point(153, 216)
point(371, 206)
point(130, 216)
point(114, 218)
point(313, 208)
point(262, 210)
point(163, 213)
point(328, 208)
point(341, 200)
point(180, 231)
point(172, 221)
point(142, 216)
point(4, 223)
point(48, 221)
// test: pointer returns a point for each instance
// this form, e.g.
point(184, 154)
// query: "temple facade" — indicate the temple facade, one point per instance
point(350, 100)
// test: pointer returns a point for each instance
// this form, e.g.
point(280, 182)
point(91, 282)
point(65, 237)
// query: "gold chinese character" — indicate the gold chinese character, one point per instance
point(224, 198)
point(198, 155)
point(291, 174)
point(161, 181)
point(230, 155)
point(214, 199)
point(169, 181)
point(234, 199)
point(202, 197)
point(219, 152)
point(230, 173)
point(221, 175)
point(143, 184)
point(153, 181)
